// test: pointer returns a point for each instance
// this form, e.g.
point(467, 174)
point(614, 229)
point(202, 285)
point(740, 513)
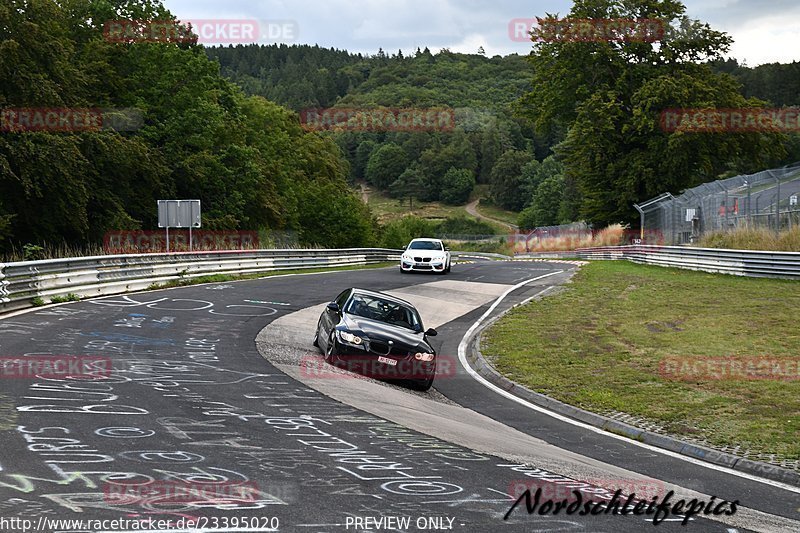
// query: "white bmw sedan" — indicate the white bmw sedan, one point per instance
point(425, 255)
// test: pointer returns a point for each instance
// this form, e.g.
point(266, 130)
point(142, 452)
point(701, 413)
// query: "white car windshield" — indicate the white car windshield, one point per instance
point(425, 245)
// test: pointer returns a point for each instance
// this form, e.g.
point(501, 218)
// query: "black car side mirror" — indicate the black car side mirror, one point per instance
point(333, 306)
point(431, 333)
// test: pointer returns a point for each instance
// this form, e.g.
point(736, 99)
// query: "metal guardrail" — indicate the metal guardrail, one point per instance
point(22, 282)
point(480, 255)
point(751, 263)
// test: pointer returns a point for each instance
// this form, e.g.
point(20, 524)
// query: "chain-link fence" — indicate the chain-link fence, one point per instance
point(547, 238)
point(767, 199)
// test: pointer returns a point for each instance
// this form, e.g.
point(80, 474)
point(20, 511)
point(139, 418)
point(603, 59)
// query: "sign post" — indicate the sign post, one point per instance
point(179, 214)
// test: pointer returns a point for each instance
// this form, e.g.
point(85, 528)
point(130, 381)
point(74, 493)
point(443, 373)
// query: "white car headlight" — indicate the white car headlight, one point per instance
point(424, 356)
point(349, 337)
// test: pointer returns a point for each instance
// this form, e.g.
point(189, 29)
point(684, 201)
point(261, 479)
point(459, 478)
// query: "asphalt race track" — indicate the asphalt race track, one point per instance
point(218, 387)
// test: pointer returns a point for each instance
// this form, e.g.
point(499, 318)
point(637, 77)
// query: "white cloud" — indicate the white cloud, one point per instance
point(763, 30)
point(767, 40)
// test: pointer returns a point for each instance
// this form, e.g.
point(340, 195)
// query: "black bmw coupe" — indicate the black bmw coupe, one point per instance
point(377, 335)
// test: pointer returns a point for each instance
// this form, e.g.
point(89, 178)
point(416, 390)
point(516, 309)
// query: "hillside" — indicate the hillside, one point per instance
point(490, 144)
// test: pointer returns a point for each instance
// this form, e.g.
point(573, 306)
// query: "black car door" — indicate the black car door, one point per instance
point(330, 318)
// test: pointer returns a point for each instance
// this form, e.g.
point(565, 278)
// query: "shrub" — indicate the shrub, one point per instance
point(32, 252)
point(462, 225)
point(66, 298)
point(398, 233)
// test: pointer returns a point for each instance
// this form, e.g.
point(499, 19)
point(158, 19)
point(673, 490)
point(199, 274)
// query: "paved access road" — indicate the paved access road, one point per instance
point(194, 401)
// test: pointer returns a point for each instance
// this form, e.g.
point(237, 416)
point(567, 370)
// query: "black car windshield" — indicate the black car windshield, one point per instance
point(386, 311)
point(425, 245)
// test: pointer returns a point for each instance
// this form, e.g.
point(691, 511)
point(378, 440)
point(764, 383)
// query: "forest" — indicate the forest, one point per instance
point(547, 133)
point(551, 135)
point(246, 158)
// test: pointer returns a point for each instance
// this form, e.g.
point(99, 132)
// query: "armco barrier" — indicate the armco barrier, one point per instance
point(21, 282)
point(737, 262)
point(750, 263)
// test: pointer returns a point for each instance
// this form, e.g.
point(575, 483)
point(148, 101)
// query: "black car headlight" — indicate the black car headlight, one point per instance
point(350, 338)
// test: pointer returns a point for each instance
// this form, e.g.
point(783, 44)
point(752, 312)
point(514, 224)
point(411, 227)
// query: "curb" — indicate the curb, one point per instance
point(709, 455)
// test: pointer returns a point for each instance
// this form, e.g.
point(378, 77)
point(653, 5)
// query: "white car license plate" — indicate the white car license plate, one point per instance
point(387, 361)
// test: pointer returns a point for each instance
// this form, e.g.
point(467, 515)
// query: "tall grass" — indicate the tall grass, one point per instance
point(754, 239)
point(614, 235)
point(266, 240)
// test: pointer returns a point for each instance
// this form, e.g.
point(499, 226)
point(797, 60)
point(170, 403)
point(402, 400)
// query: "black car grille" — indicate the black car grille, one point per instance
point(381, 348)
point(422, 259)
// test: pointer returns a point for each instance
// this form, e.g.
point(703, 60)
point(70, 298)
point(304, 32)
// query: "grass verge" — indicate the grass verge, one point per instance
point(598, 345)
point(754, 239)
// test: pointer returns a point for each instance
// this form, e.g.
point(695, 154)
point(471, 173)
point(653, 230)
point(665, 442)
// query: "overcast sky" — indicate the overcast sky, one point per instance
point(764, 31)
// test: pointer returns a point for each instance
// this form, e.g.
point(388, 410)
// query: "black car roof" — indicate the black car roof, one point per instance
point(356, 290)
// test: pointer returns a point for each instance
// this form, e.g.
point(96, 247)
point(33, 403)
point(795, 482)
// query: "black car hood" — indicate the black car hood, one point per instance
point(374, 330)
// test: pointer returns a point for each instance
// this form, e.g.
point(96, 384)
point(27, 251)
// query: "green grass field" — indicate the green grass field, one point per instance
point(598, 344)
point(387, 209)
point(492, 211)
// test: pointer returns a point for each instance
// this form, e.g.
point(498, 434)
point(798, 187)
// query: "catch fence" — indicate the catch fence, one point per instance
point(767, 199)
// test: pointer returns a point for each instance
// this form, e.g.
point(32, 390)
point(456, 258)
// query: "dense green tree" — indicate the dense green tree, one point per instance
point(436, 161)
point(332, 219)
point(408, 186)
point(247, 159)
point(457, 185)
point(609, 96)
point(545, 208)
point(363, 153)
point(507, 185)
point(385, 165)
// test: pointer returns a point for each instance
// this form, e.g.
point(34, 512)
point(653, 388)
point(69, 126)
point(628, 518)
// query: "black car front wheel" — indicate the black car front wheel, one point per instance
point(315, 342)
point(331, 350)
